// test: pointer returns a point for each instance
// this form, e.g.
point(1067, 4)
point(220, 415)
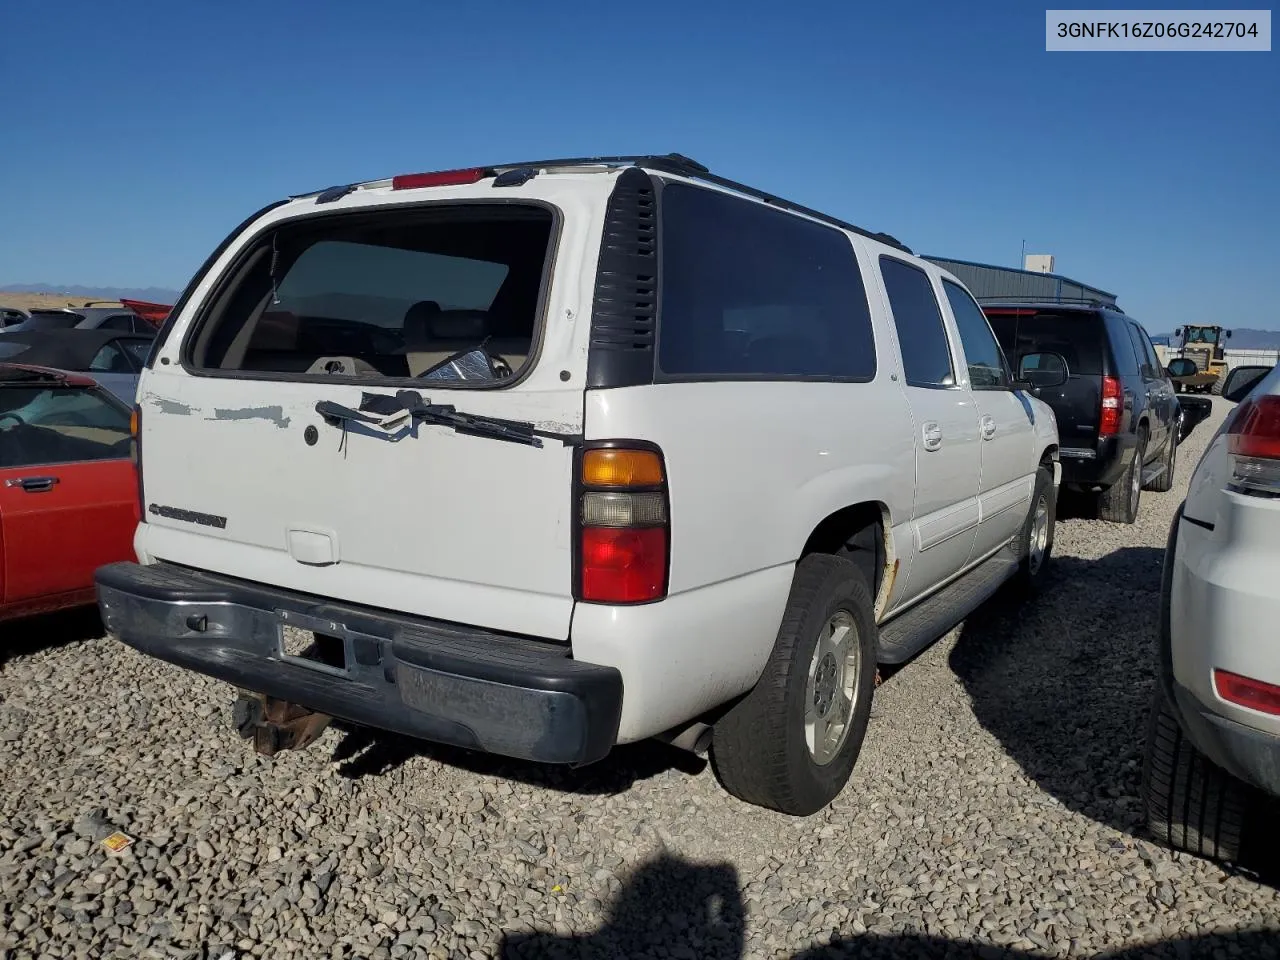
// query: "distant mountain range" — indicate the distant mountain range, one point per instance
point(1242, 338)
point(152, 294)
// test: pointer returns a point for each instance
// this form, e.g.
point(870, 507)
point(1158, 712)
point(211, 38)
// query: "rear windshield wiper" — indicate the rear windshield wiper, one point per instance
point(384, 411)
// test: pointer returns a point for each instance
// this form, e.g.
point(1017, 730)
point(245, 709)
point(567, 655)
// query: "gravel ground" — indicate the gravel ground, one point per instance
point(994, 812)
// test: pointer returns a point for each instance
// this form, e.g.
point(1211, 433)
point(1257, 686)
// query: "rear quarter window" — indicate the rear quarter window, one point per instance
point(750, 292)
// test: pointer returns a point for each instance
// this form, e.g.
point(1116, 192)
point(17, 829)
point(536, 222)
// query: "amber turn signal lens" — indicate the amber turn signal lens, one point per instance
point(621, 468)
point(133, 422)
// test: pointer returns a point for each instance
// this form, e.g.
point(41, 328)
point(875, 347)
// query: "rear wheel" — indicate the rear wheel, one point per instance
point(1191, 804)
point(791, 743)
point(1119, 502)
point(1216, 387)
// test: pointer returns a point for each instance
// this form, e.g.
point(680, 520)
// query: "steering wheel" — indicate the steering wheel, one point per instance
point(13, 416)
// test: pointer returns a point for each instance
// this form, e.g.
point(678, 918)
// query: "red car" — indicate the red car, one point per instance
point(68, 488)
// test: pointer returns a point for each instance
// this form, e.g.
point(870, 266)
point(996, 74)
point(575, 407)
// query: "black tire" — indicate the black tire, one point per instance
point(759, 748)
point(1191, 804)
point(1216, 387)
point(1030, 573)
point(1119, 502)
point(1169, 460)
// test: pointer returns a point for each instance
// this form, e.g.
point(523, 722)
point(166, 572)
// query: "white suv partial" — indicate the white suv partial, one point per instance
point(542, 458)
point(1213, 746)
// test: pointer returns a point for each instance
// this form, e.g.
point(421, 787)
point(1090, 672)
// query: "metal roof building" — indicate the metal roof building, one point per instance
point(986, 282)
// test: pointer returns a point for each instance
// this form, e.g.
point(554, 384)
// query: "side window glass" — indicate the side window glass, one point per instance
point(1144, 364)
point(1153, 358)
point(40, 425)
point(750, 291)
point(926, 352)
point(987, 369)
point(109, 360)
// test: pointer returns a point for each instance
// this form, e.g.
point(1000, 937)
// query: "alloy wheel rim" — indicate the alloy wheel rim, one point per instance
point(1039, 536)
point(832, 687)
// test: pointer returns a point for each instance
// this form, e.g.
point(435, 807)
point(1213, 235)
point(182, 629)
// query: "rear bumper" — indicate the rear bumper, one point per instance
point(436, 681)
point(1205, 625)
point(1100, 464)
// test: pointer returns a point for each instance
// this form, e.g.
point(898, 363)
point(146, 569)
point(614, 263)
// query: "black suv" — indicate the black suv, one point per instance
point(1118, 417)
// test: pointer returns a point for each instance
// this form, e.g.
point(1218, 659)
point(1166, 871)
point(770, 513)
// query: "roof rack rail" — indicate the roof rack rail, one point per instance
point(681, 165)
point(1071, 301)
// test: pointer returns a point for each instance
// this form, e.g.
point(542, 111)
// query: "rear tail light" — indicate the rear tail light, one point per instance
point(1109, 424)
point(440, 178)
point(1247, 692)
point(624, 526)
point(1253, 442)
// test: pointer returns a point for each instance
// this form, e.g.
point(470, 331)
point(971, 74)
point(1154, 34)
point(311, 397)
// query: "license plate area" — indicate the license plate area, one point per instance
point(311, 642)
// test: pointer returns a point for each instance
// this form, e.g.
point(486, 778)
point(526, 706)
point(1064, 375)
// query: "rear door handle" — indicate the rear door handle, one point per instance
point(32, 484)
point(932, 434)
point(988, 427)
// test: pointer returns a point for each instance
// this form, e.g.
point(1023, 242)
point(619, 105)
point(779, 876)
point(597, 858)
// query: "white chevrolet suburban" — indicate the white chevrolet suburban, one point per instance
point(541, 458)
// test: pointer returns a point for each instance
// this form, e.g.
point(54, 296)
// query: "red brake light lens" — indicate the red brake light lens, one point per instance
point(1255, 429)
point(1247, 692)
point(621, 565)
point(440, 178)
point(1253, 442)
point(1109, 424)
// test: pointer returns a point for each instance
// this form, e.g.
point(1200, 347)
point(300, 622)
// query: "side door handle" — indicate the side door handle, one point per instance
point(32, 484)
point(988, 427)
point(932, 434)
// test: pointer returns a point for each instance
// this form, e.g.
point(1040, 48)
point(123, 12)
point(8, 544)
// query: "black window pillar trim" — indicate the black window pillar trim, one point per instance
point(628, 285)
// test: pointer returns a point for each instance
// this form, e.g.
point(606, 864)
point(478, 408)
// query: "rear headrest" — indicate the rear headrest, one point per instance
point(460, 325)
point(419, 318)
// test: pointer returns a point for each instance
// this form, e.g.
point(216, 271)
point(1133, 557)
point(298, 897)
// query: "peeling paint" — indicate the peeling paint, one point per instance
point(165, 405)
point(273, 414)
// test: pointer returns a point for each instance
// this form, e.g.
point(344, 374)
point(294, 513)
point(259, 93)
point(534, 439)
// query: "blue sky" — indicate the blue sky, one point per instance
point(1151, 175)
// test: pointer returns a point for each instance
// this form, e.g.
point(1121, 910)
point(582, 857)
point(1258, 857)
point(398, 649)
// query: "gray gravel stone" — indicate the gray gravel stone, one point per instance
point(995, 802)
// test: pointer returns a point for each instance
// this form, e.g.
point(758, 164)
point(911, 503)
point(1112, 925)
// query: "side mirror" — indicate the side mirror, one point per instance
point(1241, 381)
point(1177, 331)
point(1181, 367)
point(1040, 370)
point(1228, 333)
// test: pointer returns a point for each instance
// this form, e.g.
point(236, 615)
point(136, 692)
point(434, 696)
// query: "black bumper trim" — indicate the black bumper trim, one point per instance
point(437, 681)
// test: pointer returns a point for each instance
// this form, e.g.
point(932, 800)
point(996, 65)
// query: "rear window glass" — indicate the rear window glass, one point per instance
point(59, 425)
point(1077, 336)
point(51, 321)
point(748, 291)
point(384, 295)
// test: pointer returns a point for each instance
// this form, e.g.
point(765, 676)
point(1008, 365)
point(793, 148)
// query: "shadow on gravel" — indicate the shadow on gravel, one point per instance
point(49, 631)
point(674, 909)
point(1064, 681)
point(363, 752)
point(671, 908)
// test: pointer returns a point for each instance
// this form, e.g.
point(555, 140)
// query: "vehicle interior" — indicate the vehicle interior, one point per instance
point(391, 295)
